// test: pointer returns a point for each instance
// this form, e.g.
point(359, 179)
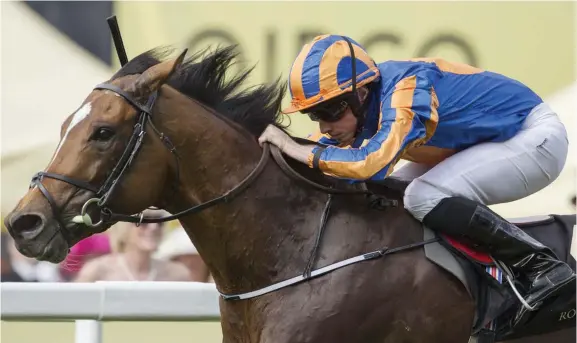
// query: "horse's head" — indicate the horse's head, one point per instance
point(95, 150)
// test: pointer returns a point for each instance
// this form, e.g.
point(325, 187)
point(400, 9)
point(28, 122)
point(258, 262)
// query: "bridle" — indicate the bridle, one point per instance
point(104, 193)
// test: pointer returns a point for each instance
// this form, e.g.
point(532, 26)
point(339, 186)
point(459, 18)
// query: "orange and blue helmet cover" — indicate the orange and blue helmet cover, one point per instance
point(323, 70)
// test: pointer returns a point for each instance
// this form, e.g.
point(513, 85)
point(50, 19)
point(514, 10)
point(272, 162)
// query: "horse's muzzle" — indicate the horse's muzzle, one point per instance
point(37, 237)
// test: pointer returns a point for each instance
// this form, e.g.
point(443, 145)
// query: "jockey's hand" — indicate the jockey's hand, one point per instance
point(275, 136)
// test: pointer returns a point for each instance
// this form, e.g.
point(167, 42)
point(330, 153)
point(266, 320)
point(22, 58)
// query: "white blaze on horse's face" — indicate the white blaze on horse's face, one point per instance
point(82, 113)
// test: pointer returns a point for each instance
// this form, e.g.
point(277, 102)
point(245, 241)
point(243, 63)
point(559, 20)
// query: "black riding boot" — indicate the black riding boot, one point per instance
point(539, 268)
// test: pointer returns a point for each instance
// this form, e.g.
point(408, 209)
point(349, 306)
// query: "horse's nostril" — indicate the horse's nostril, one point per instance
point(28, 226)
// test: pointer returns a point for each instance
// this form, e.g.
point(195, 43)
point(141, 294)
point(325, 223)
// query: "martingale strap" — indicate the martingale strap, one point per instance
point(324, 270)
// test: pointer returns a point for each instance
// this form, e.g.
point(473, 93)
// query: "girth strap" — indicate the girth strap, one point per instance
point(324, 270)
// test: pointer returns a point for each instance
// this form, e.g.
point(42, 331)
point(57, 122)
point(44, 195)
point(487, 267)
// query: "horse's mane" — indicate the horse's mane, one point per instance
point(205, 77)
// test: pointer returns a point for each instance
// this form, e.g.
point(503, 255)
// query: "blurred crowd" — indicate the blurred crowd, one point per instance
point(125, 252)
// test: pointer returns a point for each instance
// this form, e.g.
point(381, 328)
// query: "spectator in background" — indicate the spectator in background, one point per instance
point(82, 252)
point(7, 273)
point(25, 269)
point(177, 247)
point(132, 256)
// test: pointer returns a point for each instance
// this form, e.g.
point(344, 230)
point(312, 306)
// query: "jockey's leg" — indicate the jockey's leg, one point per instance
point(452, 198)
point(410, 171)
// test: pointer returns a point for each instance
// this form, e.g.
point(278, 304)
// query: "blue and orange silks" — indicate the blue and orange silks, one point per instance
point(422, 110)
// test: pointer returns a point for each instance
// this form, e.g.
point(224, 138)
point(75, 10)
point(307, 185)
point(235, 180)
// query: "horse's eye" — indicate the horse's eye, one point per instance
point(102, 134)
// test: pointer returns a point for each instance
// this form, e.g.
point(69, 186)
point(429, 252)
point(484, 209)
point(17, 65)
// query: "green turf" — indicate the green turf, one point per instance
point(114, 332)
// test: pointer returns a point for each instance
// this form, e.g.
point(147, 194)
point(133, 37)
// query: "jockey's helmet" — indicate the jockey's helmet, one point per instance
point(323, 71)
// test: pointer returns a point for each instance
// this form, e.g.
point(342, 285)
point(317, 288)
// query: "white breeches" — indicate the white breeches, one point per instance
point(492, 173)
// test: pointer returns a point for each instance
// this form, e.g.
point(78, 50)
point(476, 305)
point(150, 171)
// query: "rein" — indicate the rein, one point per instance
point(289, 171)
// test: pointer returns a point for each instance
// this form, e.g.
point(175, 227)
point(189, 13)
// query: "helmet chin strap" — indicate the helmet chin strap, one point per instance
point(356, 106)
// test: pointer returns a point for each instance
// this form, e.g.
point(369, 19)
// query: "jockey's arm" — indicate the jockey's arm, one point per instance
point(301, 152)
point(408, 117)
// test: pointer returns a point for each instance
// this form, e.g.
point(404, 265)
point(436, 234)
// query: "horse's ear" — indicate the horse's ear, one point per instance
point(154, 77)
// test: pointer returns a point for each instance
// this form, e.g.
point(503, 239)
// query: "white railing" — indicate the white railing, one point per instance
point(91, 303)
point(88, 304)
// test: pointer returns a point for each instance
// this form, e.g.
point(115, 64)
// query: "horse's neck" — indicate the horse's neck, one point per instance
point(258, 236)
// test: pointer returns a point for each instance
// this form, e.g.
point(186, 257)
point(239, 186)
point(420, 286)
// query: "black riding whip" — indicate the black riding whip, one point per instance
point(118, 44)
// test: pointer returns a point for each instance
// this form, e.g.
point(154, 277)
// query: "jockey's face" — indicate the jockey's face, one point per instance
point(343, 130)
point(337, 119)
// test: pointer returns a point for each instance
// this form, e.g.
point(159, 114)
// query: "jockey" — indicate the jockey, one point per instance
point(472, 138)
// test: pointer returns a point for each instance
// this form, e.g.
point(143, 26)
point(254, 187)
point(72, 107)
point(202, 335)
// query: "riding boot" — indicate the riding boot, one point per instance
point(544, 275)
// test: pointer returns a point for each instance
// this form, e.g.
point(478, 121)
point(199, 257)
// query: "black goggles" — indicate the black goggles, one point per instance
point(328, 112)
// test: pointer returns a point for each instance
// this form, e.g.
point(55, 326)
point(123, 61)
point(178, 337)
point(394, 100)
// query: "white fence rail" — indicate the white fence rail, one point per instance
point(90, 303)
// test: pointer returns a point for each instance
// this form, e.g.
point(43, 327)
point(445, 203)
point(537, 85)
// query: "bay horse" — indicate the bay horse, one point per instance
point(178, 134)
